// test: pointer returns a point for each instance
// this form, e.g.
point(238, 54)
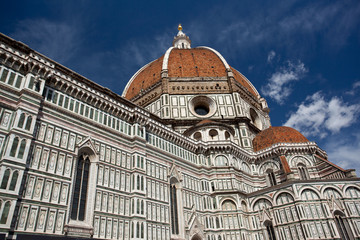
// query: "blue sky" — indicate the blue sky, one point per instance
point(302, 56)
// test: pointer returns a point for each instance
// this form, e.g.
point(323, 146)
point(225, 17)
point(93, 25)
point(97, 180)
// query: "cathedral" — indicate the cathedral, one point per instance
point(186, 152)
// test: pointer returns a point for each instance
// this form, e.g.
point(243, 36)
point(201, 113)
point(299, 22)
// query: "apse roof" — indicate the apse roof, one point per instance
point(274, 135)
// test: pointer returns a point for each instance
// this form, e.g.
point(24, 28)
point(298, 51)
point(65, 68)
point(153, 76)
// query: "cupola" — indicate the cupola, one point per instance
point(181, 41)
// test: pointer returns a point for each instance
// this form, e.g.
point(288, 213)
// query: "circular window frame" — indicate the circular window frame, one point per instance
point(203, 102)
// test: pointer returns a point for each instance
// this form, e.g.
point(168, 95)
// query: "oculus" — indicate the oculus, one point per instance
point(202, 106)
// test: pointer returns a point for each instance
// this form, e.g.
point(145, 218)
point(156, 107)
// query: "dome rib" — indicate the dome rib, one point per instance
point(166, 59)
point(226, 65)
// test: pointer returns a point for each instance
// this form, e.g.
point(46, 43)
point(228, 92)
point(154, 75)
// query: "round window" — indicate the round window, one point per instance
point(202, 110)
point(202, 106)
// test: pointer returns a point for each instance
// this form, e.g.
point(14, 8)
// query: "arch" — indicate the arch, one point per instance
point(352, 192)
point(268, 164)
point(295, 160)
point(309, 194)
point(283, 191)
point(196, 237)
point(261, 203)
point(329, 192)
point(228, 205)
point(284, 198)
point(270, 230)
point(221, 160)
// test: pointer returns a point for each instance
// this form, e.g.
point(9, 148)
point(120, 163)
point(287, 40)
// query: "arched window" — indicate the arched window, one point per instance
point(132, 205)
point(213, 186)
point(80, 191)
point(343, 226)
point(13, 180)
point(5, 179)
point(132, 230)
point(28, 123)
point(138, 206)
point(5, 213)
point(14, 147)
point(21, 120)
point(270, 230)
point(303, 172)
point(138, 183)
point(271, 177)
point(217, 222)
point(21, 149)
point(142, 230)
point(137, 229)
point(173, 206)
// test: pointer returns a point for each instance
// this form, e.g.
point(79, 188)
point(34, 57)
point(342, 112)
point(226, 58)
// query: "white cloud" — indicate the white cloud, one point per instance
point(344, 150)
point(278, 87)
point(317, 117)
point(271, 56)
point(355, 86)
point(57, 40)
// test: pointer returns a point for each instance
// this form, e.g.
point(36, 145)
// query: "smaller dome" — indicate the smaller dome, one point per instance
point(274, 135)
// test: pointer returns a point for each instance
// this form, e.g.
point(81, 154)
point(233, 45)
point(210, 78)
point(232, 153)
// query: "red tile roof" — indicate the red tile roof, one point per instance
point(274, 135)
point(195, 62)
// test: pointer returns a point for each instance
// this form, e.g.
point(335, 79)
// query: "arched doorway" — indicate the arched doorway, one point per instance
point(196, 237)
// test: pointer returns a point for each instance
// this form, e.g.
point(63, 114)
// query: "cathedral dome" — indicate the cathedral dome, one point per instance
point(181, 62)
point(274, 135)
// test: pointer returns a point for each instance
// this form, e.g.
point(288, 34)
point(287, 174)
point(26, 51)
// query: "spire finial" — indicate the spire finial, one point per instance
point(179, 27)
